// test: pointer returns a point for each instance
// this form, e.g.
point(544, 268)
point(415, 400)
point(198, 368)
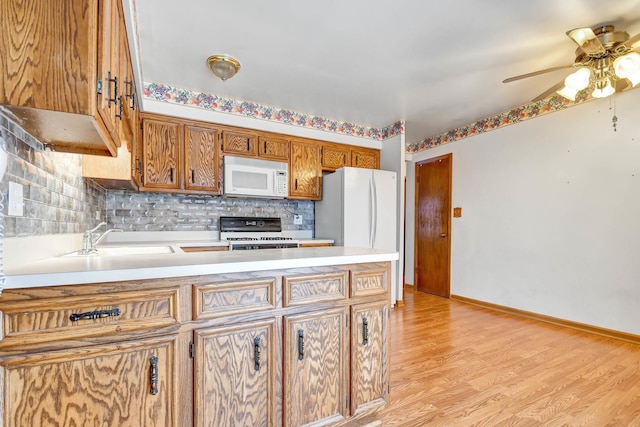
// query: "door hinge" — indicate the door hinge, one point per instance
point(192, 350)
point(141, 125)
point(99, 87)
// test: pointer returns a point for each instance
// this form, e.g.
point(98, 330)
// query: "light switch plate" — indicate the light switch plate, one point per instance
point(297, 219)
point(15, 200)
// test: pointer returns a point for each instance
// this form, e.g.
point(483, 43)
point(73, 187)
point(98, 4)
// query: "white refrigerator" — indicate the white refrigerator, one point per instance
point(358, 209)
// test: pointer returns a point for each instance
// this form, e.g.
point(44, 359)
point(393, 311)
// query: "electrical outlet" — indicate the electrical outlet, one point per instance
point(15, 200)
point(297, 219)
point(98, 215)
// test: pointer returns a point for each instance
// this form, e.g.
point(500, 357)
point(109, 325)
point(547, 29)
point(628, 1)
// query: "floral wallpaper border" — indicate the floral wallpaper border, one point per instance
point(165, 93)
point(516, 115)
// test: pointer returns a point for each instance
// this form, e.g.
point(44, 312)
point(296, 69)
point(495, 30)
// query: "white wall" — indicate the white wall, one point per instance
point(392, 159)
point(550, 215)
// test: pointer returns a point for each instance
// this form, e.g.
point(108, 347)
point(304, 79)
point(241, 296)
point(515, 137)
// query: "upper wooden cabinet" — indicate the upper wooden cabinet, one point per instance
point(201, 158)
point(335, 156)
point(179, 155)
point(273, 148)
point(58, 71)
point(305, 174)
point(239, 142)
point(365, 158)
point(161, 141)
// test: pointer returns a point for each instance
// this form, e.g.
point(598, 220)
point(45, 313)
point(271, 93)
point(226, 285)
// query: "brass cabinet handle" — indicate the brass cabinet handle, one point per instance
point(171, 175)
point(94, 314)
point(365, 331)
point(300, 344)
point(264, 147)
point(193, 176)
point(256, 353)
point(153, 375)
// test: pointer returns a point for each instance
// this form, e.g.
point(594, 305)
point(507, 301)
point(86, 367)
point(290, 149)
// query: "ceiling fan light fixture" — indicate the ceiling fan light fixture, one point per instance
point(581, 35)
point(628, 67)
point(574, 83)
point(603, 89)
point(569, 93)
point(223, 66)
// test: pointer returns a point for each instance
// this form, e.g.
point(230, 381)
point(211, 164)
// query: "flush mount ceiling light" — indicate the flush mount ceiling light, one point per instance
point(223, 66)
point(606, 63)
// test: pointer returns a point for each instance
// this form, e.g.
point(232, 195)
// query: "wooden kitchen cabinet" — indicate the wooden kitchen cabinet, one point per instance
point(365, 158)
point(273, 148)
point(161, 142)
point(125, 384)
point(305, 173)
point(236, 383)
point(335, 156)
point(239, 142)
point(259, 348)
point(201, 158)
point(179, 155)
point(369, 357)
point(316, 368)
point(67, 59)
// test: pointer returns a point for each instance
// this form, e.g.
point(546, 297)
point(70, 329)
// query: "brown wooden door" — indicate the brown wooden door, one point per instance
point(201, 159)
point(239, 143)
point(124, 384)
point(335, 156)
point(433, 225)
point(315, 368)
point(236, 380)
point(369, 357)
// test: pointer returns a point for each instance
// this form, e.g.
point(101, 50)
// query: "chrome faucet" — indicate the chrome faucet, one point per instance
point(89, 241)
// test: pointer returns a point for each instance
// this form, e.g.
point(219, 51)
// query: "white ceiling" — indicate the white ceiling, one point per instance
point(436, 65)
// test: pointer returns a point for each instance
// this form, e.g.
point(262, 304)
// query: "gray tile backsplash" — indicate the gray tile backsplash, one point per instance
point(133, 211)
point(59, 200)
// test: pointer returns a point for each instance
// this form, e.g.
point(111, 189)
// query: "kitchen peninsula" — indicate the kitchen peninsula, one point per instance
point(271, 337)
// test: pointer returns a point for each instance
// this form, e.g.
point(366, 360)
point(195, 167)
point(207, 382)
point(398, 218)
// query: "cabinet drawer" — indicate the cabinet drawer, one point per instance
point(71, 317)
point(299, 290)
point(223, 299)
point(370, 282)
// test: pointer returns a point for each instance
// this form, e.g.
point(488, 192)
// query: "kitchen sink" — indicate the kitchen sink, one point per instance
point(124, 250)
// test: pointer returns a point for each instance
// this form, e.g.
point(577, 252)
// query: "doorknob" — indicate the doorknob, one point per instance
point(443, 235)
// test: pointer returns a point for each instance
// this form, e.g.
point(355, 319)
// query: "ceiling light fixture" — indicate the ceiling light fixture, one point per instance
point(223, 66)
point(606, 64)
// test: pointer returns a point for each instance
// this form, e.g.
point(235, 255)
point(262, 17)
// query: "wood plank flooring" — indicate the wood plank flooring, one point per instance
point(456, 364)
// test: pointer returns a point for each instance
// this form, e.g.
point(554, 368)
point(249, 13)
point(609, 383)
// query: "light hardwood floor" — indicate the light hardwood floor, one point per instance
point(455, 364)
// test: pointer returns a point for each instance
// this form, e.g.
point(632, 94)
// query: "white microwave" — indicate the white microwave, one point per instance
point(248, 177)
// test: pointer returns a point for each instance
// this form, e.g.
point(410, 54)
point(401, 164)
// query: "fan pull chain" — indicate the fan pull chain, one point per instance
point(614, 119)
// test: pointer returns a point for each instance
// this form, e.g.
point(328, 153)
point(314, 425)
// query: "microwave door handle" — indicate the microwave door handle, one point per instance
point(374, 203)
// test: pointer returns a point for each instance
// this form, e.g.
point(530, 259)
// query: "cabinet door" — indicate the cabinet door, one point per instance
point(304, 171)
point(201, 159)
point(315, 368)
point(335, 157)
point(124, 384)
point(161, 142)
point(369, 357)
point(273, 148)
point(364, 158)
point(237, 142)
point(236, 380)
point(108, 68)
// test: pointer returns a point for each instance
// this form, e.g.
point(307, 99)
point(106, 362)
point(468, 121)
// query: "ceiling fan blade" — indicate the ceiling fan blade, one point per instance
point(587, 40)
point(535, 73)
point(633, 40)
point(548, 92)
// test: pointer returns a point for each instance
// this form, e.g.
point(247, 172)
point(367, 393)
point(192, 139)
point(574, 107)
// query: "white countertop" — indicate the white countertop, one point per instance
point(57, 271)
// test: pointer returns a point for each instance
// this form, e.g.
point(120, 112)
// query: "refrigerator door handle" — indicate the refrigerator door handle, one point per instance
point(374, 213)
point(372, 210)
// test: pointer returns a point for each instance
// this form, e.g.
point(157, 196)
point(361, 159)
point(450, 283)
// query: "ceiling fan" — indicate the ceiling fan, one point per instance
point(606, 62)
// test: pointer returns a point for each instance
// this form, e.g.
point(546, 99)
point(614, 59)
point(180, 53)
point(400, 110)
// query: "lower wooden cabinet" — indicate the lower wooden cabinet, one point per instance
point(369, 356)
point(129, 384)
point(236, 375)
point(316, 368)
point(293, 347)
